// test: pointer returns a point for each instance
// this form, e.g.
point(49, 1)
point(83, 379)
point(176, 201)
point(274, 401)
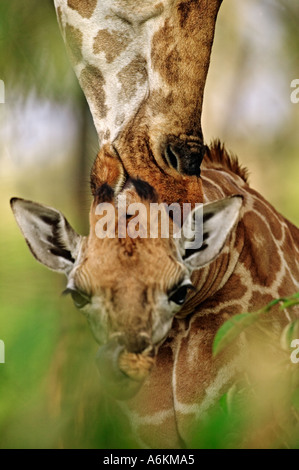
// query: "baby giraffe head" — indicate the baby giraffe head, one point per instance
point(129, 277)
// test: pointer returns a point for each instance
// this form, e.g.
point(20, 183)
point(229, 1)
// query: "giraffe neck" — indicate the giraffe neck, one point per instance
point(244, 278)
point(260, 263)
point(142, 65)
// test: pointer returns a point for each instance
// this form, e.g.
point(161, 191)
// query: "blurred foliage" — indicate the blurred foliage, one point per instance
point(238, 323)
point(35, 68)
point(261, 408)
point(32, 52)
point(49, 389)
point(289, 14)
point(247, 97)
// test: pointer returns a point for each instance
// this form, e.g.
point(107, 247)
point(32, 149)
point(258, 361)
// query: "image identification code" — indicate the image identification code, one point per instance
point(168, 459)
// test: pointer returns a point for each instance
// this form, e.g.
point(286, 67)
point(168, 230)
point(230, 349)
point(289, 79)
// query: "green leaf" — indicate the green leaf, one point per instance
point(290, 332)
point(271, 304)
point(231, 329)
point(290, 301)
point(234, 326)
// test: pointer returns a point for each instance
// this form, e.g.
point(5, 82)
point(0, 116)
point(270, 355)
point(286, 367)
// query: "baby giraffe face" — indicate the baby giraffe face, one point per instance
point(129, 288)
point(127, 277)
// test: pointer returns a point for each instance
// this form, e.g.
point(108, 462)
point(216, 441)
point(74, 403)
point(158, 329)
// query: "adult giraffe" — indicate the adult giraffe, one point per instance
point(143, 66)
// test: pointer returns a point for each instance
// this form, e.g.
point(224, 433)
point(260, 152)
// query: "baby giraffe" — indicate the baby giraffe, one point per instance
point(154, 304)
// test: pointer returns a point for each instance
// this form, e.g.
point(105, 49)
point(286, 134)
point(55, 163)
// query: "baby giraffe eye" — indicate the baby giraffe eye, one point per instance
point(80, 300)
point(180, 294)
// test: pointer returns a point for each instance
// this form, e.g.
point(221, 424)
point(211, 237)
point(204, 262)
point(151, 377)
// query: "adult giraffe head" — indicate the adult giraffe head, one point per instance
point(142, 66)
point(127, 276)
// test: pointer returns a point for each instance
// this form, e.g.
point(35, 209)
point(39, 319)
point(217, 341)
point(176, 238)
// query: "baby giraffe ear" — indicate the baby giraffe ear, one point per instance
point(48, 234)
point(211, 224)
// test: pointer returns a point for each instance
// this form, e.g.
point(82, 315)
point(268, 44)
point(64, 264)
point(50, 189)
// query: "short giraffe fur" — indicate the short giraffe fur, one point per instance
point(165, 368)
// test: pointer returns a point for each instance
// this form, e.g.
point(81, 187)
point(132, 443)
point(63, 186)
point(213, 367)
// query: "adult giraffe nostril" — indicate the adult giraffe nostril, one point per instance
point(184, 156)
point(171, 157)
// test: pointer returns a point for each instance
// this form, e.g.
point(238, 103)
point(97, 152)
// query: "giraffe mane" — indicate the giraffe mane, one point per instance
point(219, 158)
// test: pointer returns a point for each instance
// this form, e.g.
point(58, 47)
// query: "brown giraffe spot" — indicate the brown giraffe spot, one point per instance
point(85, 8)
point(227, 312)
point(234, 289)
point(111, 43)
point(131, 77)
point(192, 14)
point(184, 10)
point(165, 56)
point(74, 39)
point(92, 82)
point(259, 300)
point(260, 255)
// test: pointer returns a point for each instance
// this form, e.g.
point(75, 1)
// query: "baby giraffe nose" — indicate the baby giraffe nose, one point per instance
point(135, 343)
point(124, 362)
